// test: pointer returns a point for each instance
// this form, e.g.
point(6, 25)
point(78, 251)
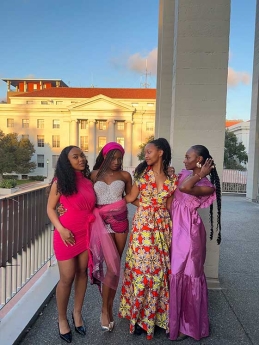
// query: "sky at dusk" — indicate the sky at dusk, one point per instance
point(106, 44)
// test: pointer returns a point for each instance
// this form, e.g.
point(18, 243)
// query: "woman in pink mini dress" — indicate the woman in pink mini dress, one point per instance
point(71, 187)
point(188, 308)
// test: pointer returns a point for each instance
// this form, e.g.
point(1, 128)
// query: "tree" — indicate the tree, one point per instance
point(141, 155)
point(15, 154)
point(234, 153)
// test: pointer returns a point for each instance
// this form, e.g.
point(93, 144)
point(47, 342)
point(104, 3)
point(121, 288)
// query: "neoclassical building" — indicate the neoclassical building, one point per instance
point(55, 116)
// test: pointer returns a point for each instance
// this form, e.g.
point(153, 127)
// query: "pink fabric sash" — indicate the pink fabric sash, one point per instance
point(104, 252)
point(115, 215)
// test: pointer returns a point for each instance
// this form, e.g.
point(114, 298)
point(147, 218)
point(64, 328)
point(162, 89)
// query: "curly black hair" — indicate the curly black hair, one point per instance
point(161, 144)
point(214, 178)
point(65, 174)
point(102, 164)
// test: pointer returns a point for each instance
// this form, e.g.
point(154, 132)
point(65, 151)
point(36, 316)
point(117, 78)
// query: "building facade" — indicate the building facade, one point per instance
point(55, 117)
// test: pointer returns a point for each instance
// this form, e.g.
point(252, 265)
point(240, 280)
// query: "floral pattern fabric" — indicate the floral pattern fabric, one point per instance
point(145, 289)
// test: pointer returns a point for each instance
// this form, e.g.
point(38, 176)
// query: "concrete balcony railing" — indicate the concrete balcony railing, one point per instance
point(25, 253)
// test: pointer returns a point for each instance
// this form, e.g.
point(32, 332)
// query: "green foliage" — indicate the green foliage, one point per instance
point(141, 155)
point(37, 178)
point(10, 177)
point(8, 184)
point(234, 153)
point(15, 154)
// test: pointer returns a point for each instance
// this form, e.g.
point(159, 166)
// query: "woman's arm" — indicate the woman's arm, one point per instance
point(169, 202)
point(128, 187)
point(132, 196)
point(188, 185)
point(66, 235)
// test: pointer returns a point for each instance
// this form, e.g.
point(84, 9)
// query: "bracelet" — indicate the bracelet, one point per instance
point(198, 176)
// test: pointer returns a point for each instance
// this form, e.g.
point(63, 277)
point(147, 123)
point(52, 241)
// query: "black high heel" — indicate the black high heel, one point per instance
point(67, 336)
point(80, 329)
point(138, 330)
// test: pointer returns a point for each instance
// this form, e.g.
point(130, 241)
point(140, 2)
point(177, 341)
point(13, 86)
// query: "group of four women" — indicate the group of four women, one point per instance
point(164, 283)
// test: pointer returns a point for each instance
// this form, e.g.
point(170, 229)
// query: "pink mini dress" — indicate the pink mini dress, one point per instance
point(77, 219)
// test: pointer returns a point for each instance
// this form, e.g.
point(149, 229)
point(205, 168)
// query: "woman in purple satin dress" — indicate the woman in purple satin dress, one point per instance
point(188, 309)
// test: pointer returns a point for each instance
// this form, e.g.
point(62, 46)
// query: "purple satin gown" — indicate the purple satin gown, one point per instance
point(188, 308)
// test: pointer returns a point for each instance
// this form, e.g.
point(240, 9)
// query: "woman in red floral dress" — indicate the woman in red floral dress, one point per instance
point(145, 290)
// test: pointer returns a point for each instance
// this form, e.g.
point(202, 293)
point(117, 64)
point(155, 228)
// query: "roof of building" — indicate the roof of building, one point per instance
point(232, 122)
point(15, 81)
point(84, 92)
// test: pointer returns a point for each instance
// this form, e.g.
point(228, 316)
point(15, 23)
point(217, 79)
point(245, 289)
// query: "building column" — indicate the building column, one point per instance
point(92, 143)
point(8, 86)
point(136, 140)
point(25, 86)
point(192, 85)
point(73, 133)
point(111, 130)
point(252, 190)
point(41, 85)
point(127, 161)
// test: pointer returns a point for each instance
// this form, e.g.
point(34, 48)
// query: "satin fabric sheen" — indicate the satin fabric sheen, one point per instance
point(77, 219)
point(188, 308)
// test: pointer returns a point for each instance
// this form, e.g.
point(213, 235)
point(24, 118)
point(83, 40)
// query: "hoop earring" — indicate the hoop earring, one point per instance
point(198, 165)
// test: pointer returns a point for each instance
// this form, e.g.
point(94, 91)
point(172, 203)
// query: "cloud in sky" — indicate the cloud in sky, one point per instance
point(235, 78)
point(138, 62)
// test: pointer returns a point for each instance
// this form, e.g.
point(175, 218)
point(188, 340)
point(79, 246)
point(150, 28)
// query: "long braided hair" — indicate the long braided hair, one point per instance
point(65, 174)
point(214, 178)
point(161, 144)
point(102, 164)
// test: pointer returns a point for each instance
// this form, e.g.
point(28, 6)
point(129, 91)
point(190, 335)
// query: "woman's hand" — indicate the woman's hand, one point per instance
point(171, 171)
point(67, 236)
point(61, 210)
point(207, 167)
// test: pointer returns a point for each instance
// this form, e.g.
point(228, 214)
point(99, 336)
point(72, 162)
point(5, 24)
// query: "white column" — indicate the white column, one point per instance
point(74, 133)
point(136, 140)
point(192, 84)
point(25, 86)
point(127, 161)
point(252, 191)
point(92, 143)
point(111, 130)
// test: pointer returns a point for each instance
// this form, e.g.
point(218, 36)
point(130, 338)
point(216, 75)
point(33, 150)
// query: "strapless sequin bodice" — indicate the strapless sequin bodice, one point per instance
point(108, 193)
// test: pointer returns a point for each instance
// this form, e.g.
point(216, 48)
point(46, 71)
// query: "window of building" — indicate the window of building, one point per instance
point(40, 140)
point(25, 123)
point(120, 140)
point(40, 123)
point(44, 86)
point(102, 125)
point(59, 102)
point(29, 102)
point(35, 86)
point(134, 104)
point(150, 104)
point(84, 124)
point(120, 125)
point(44, 102)
point(40, 161)
point(55, 140)
point(84, 143)
point(150, 126)
point(101, 142)
point(54, 161)
point(25, 136)
point(10, 122)
point(56, 124)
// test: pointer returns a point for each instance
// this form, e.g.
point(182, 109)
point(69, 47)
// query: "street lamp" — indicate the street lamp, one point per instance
point(47, 168)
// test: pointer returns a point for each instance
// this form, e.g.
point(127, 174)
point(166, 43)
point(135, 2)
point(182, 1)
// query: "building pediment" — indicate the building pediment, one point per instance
point(100, 103)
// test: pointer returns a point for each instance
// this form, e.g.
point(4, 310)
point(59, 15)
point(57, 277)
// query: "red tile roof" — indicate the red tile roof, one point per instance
point(232, 122)
point(80, 92)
